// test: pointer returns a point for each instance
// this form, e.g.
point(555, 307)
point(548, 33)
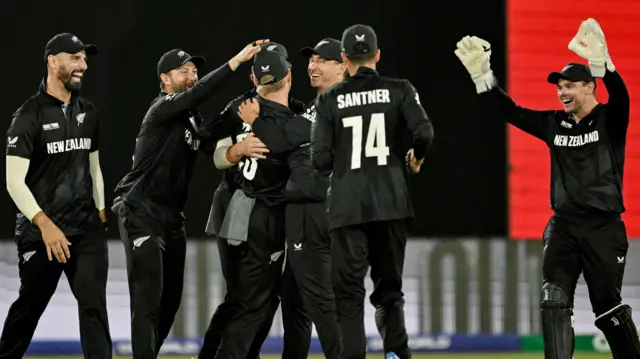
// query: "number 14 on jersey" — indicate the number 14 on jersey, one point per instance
point(376, 144)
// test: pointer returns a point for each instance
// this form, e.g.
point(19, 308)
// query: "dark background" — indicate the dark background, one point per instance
point(462, 188)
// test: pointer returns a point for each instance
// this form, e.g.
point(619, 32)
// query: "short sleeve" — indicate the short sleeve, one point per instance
point(22, 135)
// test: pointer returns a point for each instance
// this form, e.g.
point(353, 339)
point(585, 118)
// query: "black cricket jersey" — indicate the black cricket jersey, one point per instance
point(233, 126)
point(587, 157)
point(171, 134)
point(265, 179)
point(358, 134)
point(305, 184)
point(57, 138)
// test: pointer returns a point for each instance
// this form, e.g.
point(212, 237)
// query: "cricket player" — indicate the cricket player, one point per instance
point(233, 125)
point(358, 136)
point(307, 293)
point(153, 195)
point(586, 233)
point(53, 176)
point(253, 225)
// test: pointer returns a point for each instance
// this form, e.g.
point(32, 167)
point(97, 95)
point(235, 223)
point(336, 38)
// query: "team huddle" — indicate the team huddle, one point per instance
point(313, 197)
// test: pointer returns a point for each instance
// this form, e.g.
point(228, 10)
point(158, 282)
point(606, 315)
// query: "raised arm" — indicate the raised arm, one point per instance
point(475, 54)
point(175, 103)
point(590, 44)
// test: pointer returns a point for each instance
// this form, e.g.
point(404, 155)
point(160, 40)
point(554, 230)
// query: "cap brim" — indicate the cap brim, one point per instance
point(555, 77)
point(197, 60)
point(308, 51)
point(91, 50)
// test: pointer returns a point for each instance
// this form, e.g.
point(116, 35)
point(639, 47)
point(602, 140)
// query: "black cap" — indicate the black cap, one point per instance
point(269, 67)
point(176, 58)
point(276, 47)
point(68, 43)
point(359, 40)
point(572, 72)
point(327, 48)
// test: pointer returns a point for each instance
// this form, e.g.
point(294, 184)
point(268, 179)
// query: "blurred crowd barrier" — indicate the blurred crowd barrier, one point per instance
point(452, 286)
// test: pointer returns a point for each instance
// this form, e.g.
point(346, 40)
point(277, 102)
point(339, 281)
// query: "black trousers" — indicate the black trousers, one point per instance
point(155, 267)
point(594, 246)
point(307, 289)
point(225, 311)
point(86, 272)
point(380, 245)
point(253, 273)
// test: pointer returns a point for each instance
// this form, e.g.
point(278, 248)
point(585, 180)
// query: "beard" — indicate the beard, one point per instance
point(66, 77)
point(179, 87)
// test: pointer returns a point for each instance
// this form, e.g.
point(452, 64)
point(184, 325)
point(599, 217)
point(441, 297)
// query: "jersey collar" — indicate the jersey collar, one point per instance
point(366, 71)
point(42, 89)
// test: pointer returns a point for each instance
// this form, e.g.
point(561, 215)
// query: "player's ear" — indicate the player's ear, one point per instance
point(343, 68)
point(377, 55)
point(253, 77)
point(289, 76)
point(164, 78)
point(344, 58)
point(52, 61)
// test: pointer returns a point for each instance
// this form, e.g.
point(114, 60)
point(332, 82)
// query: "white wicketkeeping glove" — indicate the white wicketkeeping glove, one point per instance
point(589, 43)
point(475, 55)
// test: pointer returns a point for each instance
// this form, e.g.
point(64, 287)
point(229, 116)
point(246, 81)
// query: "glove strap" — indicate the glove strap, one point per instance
point(609, 64)
point(486, 82)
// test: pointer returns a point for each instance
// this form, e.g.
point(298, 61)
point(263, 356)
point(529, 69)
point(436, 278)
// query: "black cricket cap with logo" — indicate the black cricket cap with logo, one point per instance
point(175, 58)
point(359, 41)
point(68, 43)
point(276, 47)
point(326, 48)
point(269, 67)
point(572, 72)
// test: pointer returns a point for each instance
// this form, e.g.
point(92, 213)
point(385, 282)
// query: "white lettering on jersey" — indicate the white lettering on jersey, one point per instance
point(193, 143)
point(376, 143)
point(51, 126)
point(310, 114)
point(363, 98)
point(576, 141)
point(566, 124)
point(72, 144)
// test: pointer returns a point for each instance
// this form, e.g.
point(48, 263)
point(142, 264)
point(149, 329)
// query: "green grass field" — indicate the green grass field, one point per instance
point(415, 356)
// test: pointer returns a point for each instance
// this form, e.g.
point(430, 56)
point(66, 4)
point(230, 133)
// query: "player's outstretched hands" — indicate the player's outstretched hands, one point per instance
point(55, 241)
point(249, 110)
point(590, 44)
point(246, 54)
point(412, 163)
point(475, 55)
point(251, 146)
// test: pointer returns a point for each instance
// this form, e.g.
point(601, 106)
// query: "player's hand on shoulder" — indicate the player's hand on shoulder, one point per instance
point(53, 238)
point(412, 163)
point(251, 146)
point(247, 53)
point(249, 110)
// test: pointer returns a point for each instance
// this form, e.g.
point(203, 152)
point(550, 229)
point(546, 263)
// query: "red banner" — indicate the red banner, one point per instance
point(538, 33)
